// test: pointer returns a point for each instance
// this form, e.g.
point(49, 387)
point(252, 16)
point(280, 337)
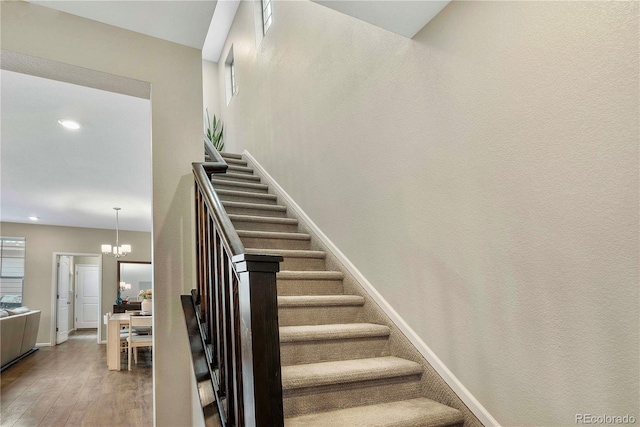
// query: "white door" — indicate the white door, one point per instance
point(62, 323)
point(87, 289)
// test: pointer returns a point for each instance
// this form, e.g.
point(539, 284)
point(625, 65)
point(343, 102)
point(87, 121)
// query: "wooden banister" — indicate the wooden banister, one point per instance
point(235, 310)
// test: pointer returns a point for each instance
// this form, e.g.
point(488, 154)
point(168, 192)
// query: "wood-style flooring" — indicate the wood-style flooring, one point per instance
point(69, 385)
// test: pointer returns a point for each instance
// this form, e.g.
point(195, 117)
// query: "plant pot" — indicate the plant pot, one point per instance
point(146, 306)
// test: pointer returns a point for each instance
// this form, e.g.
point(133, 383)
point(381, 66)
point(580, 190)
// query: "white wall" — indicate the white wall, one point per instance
point(174, 72)
point(483, 176)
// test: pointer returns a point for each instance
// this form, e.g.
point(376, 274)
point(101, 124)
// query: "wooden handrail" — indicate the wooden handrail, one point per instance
point(202, 173)
point(211, 151)
point(236, 312)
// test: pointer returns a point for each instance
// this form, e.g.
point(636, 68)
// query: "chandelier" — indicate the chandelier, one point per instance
point(118, 250)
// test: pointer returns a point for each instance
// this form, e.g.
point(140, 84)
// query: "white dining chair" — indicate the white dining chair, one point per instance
point(135, 340)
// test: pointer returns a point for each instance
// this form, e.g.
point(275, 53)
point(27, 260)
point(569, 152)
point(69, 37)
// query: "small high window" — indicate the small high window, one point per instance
point(230, 76)
point(266, 15)
point(233, 78)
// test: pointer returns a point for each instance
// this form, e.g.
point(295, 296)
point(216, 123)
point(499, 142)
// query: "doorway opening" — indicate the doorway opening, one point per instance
point(76, 295)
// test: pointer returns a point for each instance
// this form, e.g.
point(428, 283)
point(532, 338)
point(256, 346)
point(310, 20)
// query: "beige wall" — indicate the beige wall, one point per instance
point(43, 240)
point(174, 72)
point(483, 176)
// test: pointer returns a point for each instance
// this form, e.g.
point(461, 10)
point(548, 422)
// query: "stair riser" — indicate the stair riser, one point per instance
point(240, 169)
point(258, 242)
point(298, 316)
point(309, 287)
point(230, 186)
point(328, 398)
point(235, 162)
point(297, 353)
point(226, 155)
point(246, 199)
point(242, 178)
point(264, 226)
point(255, 212)
point(302, 264)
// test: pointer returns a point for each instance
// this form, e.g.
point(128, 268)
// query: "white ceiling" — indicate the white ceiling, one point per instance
point(73, 178)
point(184, 21)
point(202, 24)
point(399, 16)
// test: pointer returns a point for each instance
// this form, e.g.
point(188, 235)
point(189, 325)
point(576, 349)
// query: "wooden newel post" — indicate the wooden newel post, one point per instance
point(260, 339)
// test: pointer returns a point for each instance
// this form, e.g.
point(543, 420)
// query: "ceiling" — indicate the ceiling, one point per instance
point(73, 178)
point(400, 16)
point(201, 24)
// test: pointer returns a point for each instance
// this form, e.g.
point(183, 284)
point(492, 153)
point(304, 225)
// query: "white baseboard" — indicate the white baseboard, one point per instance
point(44, 344)
point(472, 403)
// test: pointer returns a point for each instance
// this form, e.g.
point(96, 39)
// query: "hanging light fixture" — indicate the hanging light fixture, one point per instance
point(118, 250)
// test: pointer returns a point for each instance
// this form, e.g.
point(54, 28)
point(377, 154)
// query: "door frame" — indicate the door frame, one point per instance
point(54, 292)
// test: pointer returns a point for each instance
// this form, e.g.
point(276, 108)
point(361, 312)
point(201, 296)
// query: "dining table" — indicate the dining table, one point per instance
point(114, 324)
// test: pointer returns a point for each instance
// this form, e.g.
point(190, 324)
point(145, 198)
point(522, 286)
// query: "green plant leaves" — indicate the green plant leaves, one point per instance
point(214, 134)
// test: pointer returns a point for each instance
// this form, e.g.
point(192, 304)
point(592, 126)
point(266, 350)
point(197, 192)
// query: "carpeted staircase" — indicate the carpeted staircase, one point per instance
point(337, 369)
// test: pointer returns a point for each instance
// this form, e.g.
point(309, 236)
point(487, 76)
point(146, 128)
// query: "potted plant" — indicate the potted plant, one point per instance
point(213, 134)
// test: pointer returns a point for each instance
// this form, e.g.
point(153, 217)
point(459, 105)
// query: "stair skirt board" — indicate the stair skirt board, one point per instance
point(435, 384)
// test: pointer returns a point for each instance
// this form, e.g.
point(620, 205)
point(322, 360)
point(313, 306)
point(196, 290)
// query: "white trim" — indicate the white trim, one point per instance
point(43, 344)
point(472, 403)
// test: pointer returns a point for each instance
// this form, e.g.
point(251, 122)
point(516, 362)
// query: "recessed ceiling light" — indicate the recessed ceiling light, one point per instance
point(34, 218)
point(69, 124)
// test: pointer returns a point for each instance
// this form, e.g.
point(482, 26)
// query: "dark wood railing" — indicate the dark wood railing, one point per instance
point(232, 317)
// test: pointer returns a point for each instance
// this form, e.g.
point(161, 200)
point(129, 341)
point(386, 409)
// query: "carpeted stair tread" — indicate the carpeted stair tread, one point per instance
point(263, 219)
point(293, 253)
point(240, 185)
point(347, 371)
point(235, 177)
point(233, 161)
point(337, 369)
point(278, 208)
point(242, 169)
point(309, 275)
point(332, 332)
point(419, 412)
point(320, 300)
point(273, 235)
point(246, 194)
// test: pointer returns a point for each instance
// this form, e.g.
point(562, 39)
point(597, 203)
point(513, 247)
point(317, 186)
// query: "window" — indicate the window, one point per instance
point(266, 15)
point(262, 18)
point(233, 78)
point(230, 76)
point(12, 250)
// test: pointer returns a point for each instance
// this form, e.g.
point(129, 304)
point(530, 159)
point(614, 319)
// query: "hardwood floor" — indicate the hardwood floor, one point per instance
point(69, 385)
